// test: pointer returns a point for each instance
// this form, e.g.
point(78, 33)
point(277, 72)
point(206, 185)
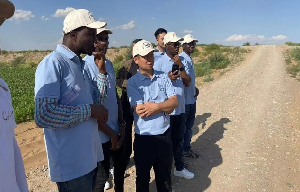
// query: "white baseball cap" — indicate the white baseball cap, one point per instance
point(80, 18)
point(142, 48)
point(171, 37)
point(188, 38)
point(100, 30)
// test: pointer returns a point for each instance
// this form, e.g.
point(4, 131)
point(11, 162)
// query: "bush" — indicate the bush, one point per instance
point(25, 66)
point(289, 43)
point(212, 48)
point(295, 54)
point(3, 52)
point(18, 60)
point(118, 58)
point(202, 69)
point(218, 61)
point(196, 52)
point(246, 44)
point(294, 69)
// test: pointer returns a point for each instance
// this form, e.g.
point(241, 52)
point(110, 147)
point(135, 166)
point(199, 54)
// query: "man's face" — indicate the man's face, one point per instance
point(103, 38)
point(173, 47)
point(189, 47)
point(160, 40)
point(145, 62)
point(85, 40)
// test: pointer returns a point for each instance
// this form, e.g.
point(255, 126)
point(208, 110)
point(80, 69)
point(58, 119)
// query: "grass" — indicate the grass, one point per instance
point(293, 62)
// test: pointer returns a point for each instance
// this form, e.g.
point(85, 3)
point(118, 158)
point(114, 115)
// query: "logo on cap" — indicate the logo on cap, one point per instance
point(146, 45)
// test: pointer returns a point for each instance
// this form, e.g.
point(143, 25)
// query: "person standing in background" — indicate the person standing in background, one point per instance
point(113, 132)
point(12, 172)
point(191, 92)
point(160, 49)
point(128, 70)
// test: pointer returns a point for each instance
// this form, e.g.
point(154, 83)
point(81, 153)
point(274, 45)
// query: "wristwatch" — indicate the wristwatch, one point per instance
point(181, 69)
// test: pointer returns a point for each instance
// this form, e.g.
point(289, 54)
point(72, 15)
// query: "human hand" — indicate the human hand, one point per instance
point(173, 75)
point(147, 109)
point(99, 54)
point(100, 113)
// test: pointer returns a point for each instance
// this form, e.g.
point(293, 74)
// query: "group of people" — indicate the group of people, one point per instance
point(86, 124)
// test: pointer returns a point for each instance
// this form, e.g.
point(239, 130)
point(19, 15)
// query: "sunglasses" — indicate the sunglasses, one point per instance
point(174, 44)
point(191, 44)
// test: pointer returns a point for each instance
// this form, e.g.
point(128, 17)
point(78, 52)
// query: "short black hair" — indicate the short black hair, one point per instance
point(136, 40)
point(159, 31)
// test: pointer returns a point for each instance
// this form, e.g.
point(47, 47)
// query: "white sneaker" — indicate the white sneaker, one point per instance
point(107, 185)
point(184, 173)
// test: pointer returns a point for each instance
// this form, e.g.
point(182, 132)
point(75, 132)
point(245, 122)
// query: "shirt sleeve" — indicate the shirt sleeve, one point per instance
point(101, 91)
point(133, 93)
point(48, 114)
point(185, 64)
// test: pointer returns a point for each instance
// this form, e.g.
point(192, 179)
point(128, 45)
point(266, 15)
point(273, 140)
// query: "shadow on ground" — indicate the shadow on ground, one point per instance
point(210, 156)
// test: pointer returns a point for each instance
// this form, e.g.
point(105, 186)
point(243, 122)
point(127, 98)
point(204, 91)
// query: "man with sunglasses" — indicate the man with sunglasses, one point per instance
point(180, 79)
point(191, 93)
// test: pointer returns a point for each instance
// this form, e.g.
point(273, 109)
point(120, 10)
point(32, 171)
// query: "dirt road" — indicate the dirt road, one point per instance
point(247, 132)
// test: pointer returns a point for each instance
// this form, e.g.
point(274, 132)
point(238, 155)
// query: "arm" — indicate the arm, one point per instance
point(100, 94)
point(148, 109)
point(186, 79)
point(111, 133)
point(48, 114)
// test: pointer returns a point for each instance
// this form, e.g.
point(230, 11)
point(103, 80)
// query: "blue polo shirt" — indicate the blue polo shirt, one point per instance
point(157, 54)
point(72, 152)
point(111, 104)
point(165, 64)
point(142, 89)
point(190, 91)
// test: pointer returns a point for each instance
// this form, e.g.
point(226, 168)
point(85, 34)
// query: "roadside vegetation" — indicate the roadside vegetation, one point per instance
point(19, 71)
point(293, 62)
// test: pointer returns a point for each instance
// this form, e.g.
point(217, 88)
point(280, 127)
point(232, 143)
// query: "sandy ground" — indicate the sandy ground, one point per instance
point(246, 131)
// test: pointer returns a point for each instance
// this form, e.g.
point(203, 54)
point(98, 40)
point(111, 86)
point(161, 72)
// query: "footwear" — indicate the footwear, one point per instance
point(190, 153)
point(112, 172)
point(184, 173)
point(107, 185)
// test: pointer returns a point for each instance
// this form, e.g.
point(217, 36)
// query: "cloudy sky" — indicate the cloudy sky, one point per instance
point(37, 24)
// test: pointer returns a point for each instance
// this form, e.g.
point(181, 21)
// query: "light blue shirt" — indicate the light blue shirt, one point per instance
point(142, 89)
point(74, 151)
point(165, 64)
point(190, 91)
point(111, 104)
point(157, 54)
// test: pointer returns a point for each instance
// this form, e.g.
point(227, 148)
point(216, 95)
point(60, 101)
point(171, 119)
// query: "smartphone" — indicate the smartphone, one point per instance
point(175, 67)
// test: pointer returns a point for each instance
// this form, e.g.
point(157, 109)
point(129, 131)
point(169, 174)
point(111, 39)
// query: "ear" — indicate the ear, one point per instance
point(135, 59)
point(73, 36)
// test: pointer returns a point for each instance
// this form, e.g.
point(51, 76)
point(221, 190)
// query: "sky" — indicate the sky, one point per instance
point(37, 24)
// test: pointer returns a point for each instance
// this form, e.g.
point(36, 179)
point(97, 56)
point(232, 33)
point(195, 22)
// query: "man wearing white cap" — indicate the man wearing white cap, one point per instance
point(112, 144)
point(64, 106)
point(12, 173)
point(153, 98)
point(191, 93)
point(180, 79)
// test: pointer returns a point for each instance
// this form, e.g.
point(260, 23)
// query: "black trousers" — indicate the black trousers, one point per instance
point(128, 118)
point(153, 151)
point(119, 163)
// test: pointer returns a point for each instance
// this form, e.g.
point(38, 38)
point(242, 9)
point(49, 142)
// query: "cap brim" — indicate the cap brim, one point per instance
point(100, 30)
point(146, 52)
point(176, 39)
point(189, 41)
point(96, 25)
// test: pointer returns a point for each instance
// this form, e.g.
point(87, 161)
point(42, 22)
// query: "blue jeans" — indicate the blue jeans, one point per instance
point(177, 125)
point(85, 183)
point(190, 112)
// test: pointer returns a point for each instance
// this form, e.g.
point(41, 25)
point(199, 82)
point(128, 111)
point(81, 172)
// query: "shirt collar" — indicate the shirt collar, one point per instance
point(143, 77)
point(66, 51)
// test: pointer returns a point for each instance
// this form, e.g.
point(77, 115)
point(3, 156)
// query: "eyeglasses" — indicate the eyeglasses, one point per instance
point(174, 44)
point(191, 44)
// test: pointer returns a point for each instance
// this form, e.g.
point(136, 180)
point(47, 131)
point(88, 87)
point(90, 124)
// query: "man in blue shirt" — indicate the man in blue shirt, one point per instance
point(159, 36)
point(191, 93)
point(111, 144)
point(179, 79)
point(64, 106)
point(153, 98)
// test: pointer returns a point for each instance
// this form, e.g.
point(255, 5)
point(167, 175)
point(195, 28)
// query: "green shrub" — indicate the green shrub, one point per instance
point(218, 60)
point(212, 48)
point(25, 66)
point(246, 44)
point(18, 60)
point(3, 52)
point(289, 43)
point(118, 58)
point(294, 69)
point(202, 69)
point(196, 52)
point(295, 54)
